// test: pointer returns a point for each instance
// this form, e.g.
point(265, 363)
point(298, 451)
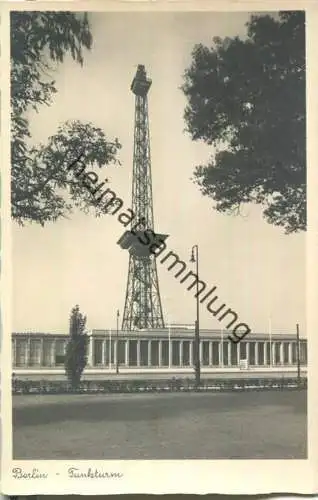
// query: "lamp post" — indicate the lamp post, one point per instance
point(197, 367)
point(117, 343)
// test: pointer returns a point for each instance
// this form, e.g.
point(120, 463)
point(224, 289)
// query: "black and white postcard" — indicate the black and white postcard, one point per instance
point(159, 232)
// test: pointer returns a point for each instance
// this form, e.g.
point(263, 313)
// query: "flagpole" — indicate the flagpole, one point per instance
point(117, 342)
point(169, 345)
point(222, 348)
point(270, 342)
point(110, 349)
point(298, 353)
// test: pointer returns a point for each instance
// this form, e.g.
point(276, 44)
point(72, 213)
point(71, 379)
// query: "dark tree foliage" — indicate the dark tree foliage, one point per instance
point(247, 99)
point(76, 349)
point(42, 190)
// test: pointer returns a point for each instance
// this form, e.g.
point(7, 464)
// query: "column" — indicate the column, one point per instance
point(116, 352)
point(229, 359)
point(127, 353)
point(149, 353)
point(138, 352)
point(201, 352)
point(256, 352)
point(169, 351)
point(53, 352)
point(160, 353)
point(27, 353)
point(181, 353)
point(191, 353)
point(220, 353)
point(248, 353)
point(273, 354)
point(90, 351)
point(290, 353)
point(238, 353)
point(210, 353)
point(265, 353)
point(104, 353)
point(14, 352)
point(42, 352)
point(281, 353)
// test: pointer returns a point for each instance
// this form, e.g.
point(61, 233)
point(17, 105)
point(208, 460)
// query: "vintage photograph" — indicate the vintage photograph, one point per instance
point(158, 211)
point(158, 206)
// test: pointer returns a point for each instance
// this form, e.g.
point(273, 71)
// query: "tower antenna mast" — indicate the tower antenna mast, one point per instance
point(143, 308)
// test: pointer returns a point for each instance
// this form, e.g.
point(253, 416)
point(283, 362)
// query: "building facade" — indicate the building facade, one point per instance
point(170, 349)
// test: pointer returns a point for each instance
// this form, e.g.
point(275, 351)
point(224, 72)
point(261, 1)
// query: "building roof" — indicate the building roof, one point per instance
point(174, 332)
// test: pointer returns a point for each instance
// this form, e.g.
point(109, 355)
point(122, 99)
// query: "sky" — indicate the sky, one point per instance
point(258, 270)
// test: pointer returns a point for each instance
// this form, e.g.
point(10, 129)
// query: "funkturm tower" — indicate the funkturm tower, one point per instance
point(142, 303)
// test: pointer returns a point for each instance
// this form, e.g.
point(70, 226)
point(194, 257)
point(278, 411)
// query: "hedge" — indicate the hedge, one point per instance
point(172, 385)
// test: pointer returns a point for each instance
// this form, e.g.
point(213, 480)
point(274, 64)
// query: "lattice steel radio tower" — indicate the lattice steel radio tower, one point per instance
point(142, 304)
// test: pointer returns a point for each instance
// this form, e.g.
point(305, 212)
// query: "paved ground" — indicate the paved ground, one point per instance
point(263, 425)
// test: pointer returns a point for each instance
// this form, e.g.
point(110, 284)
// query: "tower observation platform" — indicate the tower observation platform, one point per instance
point(141, 84)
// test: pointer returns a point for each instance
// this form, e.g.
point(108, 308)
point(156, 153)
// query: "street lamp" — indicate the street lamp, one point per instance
point(197, 367)
point(117, 343)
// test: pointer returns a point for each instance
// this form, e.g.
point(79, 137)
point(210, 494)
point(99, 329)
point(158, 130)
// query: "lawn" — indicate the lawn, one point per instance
point(266, 425)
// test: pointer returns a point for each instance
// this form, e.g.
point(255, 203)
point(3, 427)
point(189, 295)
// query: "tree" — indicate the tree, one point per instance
point(247, 99)
point(76, 349)
point(42, 189)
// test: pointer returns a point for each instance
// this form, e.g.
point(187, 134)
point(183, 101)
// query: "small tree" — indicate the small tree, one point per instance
point(76, 349)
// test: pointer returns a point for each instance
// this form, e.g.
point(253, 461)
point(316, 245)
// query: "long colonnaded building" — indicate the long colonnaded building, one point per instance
point(159, 353)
